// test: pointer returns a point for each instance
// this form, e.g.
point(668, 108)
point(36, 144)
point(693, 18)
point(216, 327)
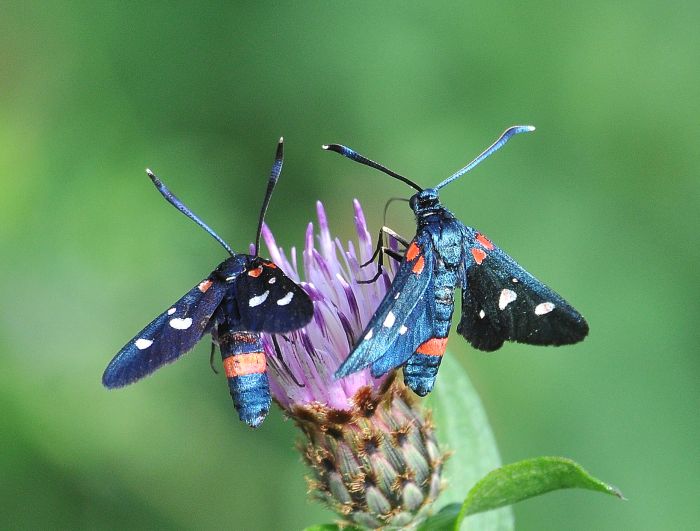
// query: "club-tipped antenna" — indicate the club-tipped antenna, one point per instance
point(498, 144)
point(274, 176)
point(353, 155)
point(186, 211)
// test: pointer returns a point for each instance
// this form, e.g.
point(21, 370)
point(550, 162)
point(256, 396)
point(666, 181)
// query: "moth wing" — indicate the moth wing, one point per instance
point(269, 301)
point(168, 336)
point(503, 302)
point(419, 328)
point(410, 284)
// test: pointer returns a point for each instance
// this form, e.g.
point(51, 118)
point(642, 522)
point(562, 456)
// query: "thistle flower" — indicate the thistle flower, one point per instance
point(372, 450)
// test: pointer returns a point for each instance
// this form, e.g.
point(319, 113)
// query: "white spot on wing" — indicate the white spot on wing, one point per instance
point(369, 335)
point(171, 311)
point(181, 324)
point(397, 295)
point(403, 330)
point(544, 308)
point(258, 299)
point(482, 314)
point(390, 320)
point(507, 296)
point(514, 280)
point(143, 343)
point(285, 300)
point(272, 280)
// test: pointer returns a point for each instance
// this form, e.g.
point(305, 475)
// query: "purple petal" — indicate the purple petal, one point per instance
point(364, 237)
point(342, 307)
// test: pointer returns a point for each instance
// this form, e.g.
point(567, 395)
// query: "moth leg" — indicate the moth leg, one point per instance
point(384, 231)
point(211, 357)
point(382, 249)
point(380, 266)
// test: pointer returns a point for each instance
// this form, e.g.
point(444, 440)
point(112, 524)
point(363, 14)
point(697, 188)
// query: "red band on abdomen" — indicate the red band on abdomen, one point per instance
point(433, 347)
point(242, 364)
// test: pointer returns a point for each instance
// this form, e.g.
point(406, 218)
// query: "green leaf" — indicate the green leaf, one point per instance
point(443, 520)
point(325, 527)
point(463, 429)
point(525, 479)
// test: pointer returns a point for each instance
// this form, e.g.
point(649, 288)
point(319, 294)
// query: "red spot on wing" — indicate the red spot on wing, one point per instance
point(478, 255)
point(418, 266)
point(255, 272)
point(242, 364)
point(412, 251)
point(271, 265)
point(433, 347)
point(483, 240)
point(204, 285)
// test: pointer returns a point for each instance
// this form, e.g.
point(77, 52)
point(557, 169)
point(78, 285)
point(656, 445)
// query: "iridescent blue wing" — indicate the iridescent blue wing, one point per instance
point(392, 319)
point(269, 301)
point(503, 302)
point(168, 336)
point(419, 330)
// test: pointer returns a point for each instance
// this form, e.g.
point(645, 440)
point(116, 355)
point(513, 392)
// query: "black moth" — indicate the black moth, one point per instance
point(244, 296)
point(500, 300)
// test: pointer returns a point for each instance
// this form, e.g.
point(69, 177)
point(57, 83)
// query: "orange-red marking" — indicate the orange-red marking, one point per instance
point(412, 252)
point(242, 364)
point(483, 240)
point(418, 266)
point(271, 264)
point(255, 272)
point(204, 285)
point(478, 255)
point(433, 347)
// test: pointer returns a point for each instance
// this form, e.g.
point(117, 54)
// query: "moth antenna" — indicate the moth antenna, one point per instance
point(170, 197)
point(353, 155)
point(498, 144)
point(274, 176)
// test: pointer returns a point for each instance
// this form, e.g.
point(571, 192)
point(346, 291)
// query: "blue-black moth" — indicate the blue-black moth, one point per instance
point(244, 296)
point(500, 300)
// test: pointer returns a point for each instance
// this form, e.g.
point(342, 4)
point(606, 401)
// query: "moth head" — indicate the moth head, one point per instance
point(233, 266)
point(425, 201)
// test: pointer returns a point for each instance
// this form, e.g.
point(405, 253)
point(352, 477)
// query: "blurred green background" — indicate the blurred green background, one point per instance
point(601, 202)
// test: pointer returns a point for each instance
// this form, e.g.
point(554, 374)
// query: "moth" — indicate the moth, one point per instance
point(500, 300)
point(244, 296)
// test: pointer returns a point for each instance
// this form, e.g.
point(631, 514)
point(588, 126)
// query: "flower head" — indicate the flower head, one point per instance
point(302, 368)
point(371, 449)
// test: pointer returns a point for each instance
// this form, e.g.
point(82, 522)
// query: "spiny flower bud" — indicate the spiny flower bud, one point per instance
point(372, 450)
point(377, 463)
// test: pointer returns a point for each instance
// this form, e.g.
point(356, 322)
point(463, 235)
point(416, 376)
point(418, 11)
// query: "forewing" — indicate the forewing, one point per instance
point(168, 336)
point(269, 301)
point(503, 302)
point(417, 329)
point(408, 288)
